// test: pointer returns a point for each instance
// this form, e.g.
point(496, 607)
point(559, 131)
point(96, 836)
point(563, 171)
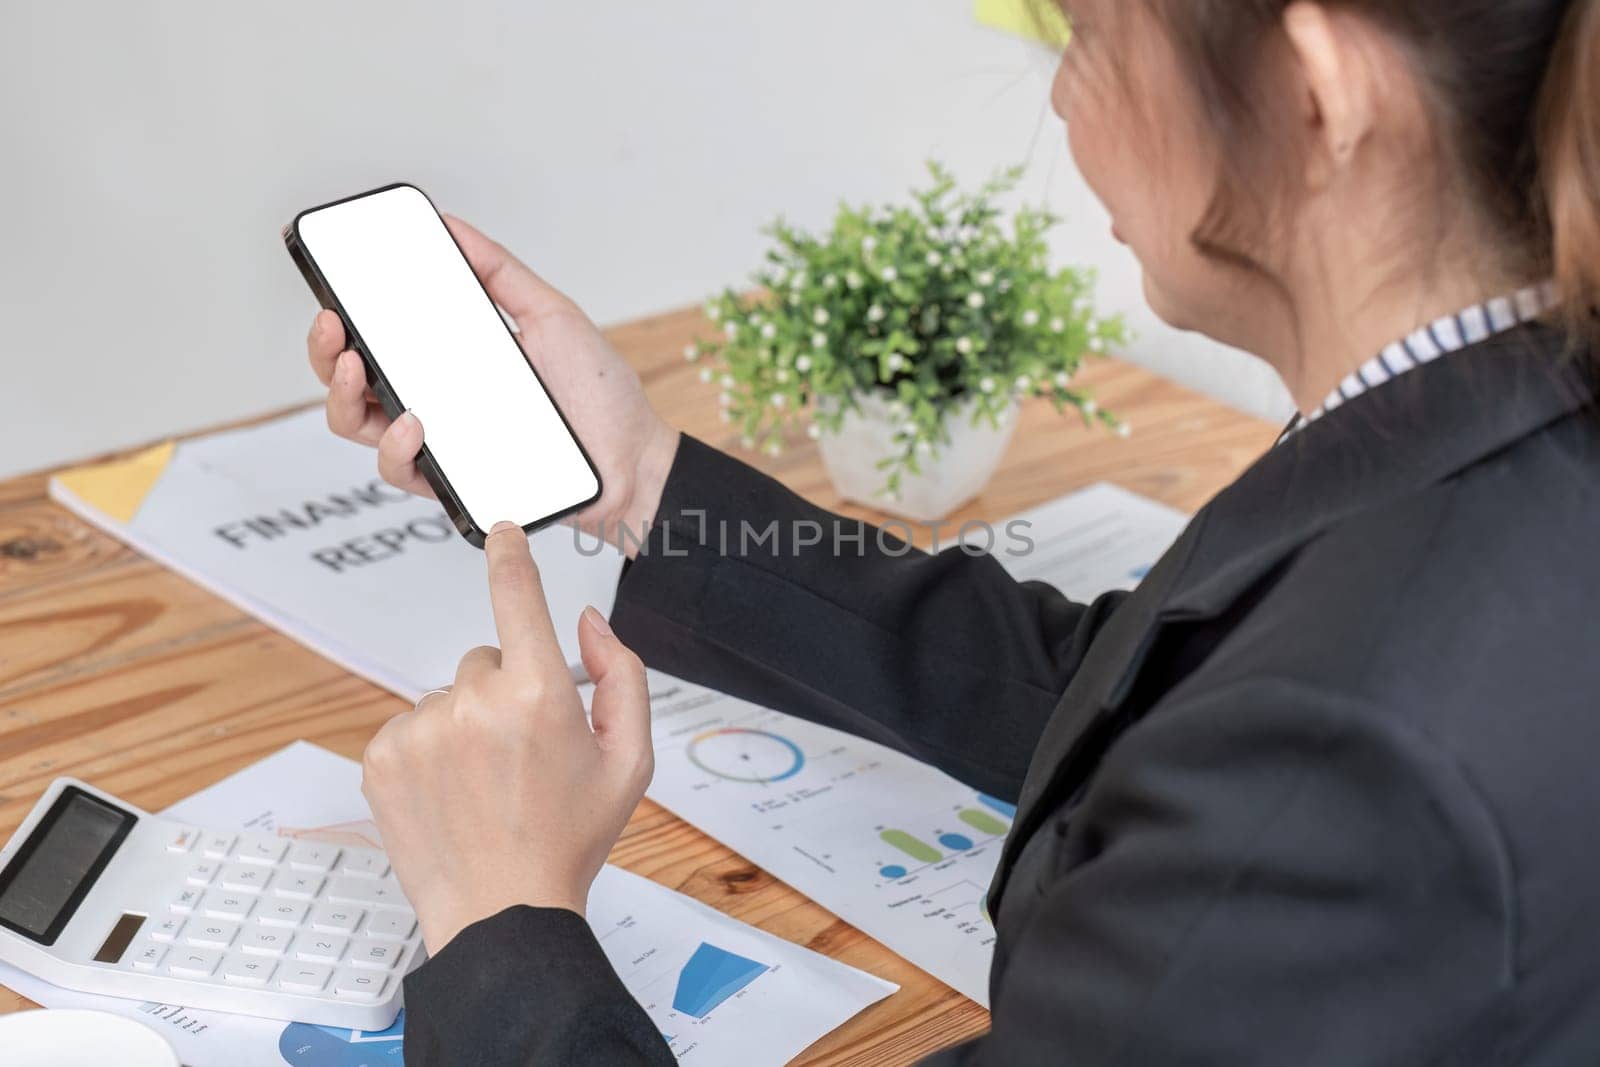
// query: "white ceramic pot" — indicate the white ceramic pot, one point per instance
point(956, 474)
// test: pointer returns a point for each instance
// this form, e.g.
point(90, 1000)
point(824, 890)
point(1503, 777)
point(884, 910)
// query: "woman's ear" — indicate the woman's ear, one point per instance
point(1333, 59)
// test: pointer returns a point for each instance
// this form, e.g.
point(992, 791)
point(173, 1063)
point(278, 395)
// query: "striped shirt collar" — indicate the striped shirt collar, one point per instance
point(1450, 334)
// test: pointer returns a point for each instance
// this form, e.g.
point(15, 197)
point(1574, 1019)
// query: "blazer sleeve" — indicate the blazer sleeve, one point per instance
point(524, 988)
point(1261, 875)
point(744, 587)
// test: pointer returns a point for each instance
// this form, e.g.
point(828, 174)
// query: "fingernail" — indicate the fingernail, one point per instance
point(410, 420)
point(502, 527)
point(597, 620)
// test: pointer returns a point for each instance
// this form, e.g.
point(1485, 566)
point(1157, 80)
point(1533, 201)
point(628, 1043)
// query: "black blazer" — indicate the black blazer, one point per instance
point(1321, 791)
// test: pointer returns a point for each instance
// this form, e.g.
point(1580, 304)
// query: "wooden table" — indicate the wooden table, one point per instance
point(117, 671)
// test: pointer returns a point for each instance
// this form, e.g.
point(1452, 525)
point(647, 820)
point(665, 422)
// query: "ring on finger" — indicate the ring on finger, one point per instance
point(423, 699)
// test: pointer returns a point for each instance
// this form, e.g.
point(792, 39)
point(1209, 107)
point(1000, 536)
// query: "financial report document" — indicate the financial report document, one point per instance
point(293, 526)
point(894, 847)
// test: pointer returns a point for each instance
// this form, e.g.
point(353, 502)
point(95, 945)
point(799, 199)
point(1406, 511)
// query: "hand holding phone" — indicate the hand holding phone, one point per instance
point(597, 391)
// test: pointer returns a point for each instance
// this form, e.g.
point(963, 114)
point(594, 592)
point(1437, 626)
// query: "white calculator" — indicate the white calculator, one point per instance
point(98, 896)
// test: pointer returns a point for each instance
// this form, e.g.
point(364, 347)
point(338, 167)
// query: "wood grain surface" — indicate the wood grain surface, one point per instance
point(117, 671)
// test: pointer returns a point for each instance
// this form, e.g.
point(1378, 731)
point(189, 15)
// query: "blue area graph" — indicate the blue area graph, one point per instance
point(304, 1045)
point(1008, 810)
point(892, 871)
point(955, 842)
point(711, 976)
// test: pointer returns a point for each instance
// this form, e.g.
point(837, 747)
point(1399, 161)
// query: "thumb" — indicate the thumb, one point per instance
point(621, 709)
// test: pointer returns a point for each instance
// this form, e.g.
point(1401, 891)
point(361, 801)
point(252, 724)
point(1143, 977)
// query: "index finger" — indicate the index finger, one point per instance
point(521, 615)
point(510, 282)
point(324, 343)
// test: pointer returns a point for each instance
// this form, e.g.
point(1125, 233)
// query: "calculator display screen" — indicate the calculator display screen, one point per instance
point(57, 865)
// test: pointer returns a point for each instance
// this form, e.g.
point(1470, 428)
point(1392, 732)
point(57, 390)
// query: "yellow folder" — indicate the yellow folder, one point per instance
point(117, 489)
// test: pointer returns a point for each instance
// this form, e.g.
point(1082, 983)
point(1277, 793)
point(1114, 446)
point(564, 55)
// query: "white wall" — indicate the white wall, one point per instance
point(630, 150)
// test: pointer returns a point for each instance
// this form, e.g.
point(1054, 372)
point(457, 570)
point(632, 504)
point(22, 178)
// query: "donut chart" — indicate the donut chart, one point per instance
point(739, 754)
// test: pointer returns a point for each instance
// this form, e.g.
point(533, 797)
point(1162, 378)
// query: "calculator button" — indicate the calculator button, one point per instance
point(300, 886)
point(246, 877)
point(390, 925)
point(217, 846)
point(166, 930)
point(374, 955)
point(265, 941)
point(304, 977)
point(247, 970)
point(187, 900)
point(268, 850)
point(335, 920)
point(211, 933)
point(182, 839)
point(321, 948)
point(282, 912)
point(313, 856)
point(365, 891)
point(148, 958)
point(194, 962)
point(364, 863)
point(364, 986)
point(201, 873)
point(229, 905)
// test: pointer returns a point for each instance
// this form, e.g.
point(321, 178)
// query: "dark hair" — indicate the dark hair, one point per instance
point(1514, 91)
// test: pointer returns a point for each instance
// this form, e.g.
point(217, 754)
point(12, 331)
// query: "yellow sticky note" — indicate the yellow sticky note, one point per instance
point(117, 489)
point(1041, 20)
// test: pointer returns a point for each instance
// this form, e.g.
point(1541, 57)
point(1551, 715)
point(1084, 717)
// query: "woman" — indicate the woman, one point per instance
point(1320, 791)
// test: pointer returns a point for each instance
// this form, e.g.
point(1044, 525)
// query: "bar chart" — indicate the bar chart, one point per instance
point(979, 827)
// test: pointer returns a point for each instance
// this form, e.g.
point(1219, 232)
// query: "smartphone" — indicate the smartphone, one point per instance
point(497, 446)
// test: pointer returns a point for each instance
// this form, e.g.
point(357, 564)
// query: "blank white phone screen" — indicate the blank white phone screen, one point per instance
point(412, 297)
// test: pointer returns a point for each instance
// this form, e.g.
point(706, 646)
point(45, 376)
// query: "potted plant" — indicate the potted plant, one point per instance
point(911, 333)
